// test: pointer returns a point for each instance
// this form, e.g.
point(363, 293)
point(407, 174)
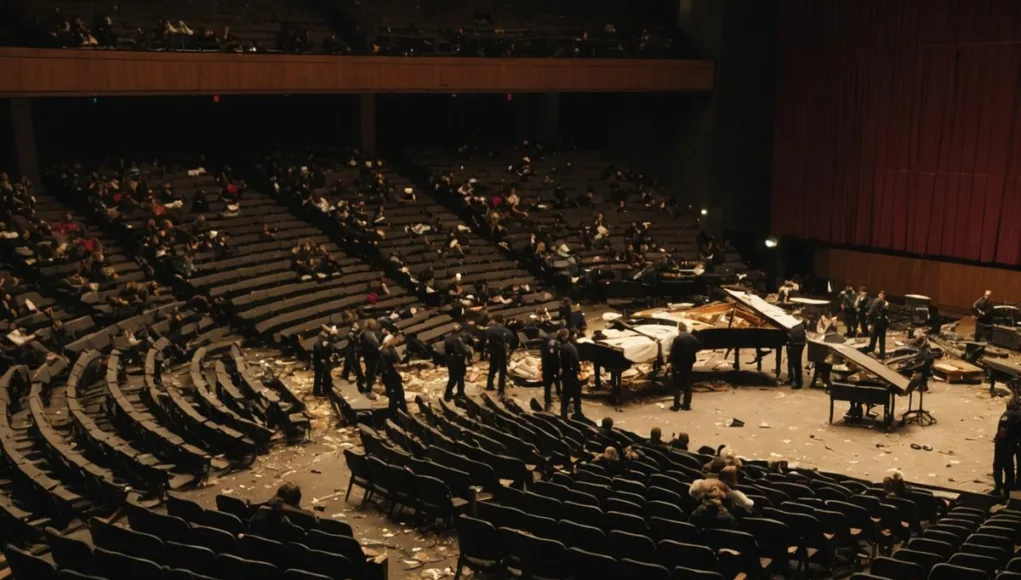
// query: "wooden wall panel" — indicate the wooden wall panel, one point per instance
point(947, 283)
point(37, 72)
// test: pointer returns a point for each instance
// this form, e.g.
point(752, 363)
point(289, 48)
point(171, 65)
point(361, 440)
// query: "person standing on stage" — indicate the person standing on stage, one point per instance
point(498, 345)
point(862, 304)
point(1004, 449)
point(352, 352)
point(322, 362)
point(369, 342)
point(878, 320)
point(796, 339)
point(458, 354)
point(392, 380)
point(570, 369)
point(848, 311)
point(682, 357)
point(549, 356)
point(982, 309)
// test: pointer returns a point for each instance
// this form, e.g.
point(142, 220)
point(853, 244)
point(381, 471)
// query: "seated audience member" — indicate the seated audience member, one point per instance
point(895, 486)
point(610, 461)
point(680, 441)
point(267, 234)
point(712, 513)
point(271, 519)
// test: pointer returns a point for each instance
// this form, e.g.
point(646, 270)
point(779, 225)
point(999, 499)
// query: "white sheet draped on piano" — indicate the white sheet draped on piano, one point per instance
point(639, 348)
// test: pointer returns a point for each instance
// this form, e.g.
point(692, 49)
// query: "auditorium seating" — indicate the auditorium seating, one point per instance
point(634, 524)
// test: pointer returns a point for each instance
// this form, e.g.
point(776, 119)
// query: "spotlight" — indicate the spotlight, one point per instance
point(772, 242)
point(705, 211)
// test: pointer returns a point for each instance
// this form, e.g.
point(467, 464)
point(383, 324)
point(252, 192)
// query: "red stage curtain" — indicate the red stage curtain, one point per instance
point(898, 126)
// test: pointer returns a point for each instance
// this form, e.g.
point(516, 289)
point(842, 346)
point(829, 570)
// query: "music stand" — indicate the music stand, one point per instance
point(919, 416)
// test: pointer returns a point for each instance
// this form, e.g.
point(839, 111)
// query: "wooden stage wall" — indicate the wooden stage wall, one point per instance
point(41, 73)
point(947, 283)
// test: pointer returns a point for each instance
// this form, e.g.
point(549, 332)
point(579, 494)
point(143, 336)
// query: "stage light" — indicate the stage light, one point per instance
point(95, 100)
point(705, 211)
point(510, 97)
point(772, 242)
point(216, 98)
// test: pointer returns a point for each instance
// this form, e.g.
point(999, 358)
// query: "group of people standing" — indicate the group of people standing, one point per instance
point(375, 348)
point(866, 316)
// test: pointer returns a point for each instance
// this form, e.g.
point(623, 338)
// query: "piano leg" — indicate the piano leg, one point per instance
point(598, 375)
point(737, 359)
point(779, 356)
point(615, 385)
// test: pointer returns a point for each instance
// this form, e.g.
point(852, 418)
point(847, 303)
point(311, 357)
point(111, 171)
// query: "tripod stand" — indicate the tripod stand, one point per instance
point(919, 416)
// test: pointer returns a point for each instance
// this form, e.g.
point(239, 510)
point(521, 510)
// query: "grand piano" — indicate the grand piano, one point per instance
point(877, 384)
point(743, 321)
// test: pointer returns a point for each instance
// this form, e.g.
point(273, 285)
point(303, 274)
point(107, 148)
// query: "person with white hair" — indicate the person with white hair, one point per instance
point(683, 353)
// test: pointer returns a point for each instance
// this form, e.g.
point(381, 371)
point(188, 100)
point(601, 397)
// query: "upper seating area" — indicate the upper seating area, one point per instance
point(598, 29)
point(228, 25)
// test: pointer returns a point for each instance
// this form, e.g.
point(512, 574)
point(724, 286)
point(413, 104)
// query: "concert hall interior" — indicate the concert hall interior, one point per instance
point(622, 289)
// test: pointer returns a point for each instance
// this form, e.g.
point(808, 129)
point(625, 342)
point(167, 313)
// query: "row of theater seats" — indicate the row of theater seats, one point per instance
point(590, 523)
point(190, 542)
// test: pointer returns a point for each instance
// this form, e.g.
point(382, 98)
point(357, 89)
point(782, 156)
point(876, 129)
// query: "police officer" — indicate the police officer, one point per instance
point(878, 320)
point(322, 361)
point(682, 357)
point(549, 355)
point(352, 352)
point(796, 340)
point(458, 354)
point(369, 342)
point(847, 309)
point(570, 367)
point(1004, 448)
point(392, 379)
point(498, 345)
point(861, 305)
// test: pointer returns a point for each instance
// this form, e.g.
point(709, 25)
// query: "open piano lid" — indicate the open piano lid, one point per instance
point(877, 369)
point(770, 312)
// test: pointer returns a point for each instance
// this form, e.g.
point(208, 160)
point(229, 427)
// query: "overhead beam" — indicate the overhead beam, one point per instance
point(50, 73)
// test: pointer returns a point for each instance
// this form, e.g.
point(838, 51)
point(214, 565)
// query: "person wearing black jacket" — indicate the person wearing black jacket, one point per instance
point(862, 304)
point(352, 352)
point(322, 359)
point(458, 354)
point(498, 345)
point(549, 356)
point(982, 309)
point(796, 340)
point(570, 367)
point(369, 342)
point(848, 311)
point(1004, 449)
point(878, 320)
point(392, 379)
point(682, 358)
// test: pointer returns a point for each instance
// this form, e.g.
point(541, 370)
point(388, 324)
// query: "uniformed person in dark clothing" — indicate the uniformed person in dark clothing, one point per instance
point(862, 304)
point(352, 352)
point(322, 361)
point(879, 320)
point(1004, 449)
point(848, 311)
point(498, 345)
point(369, 342)
point(682, 357)
point(392, 379)
point(458, 355)
point(549, 356)
point(570, 368)
point(982, 309)
point(935, 321)
point(796, 340)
